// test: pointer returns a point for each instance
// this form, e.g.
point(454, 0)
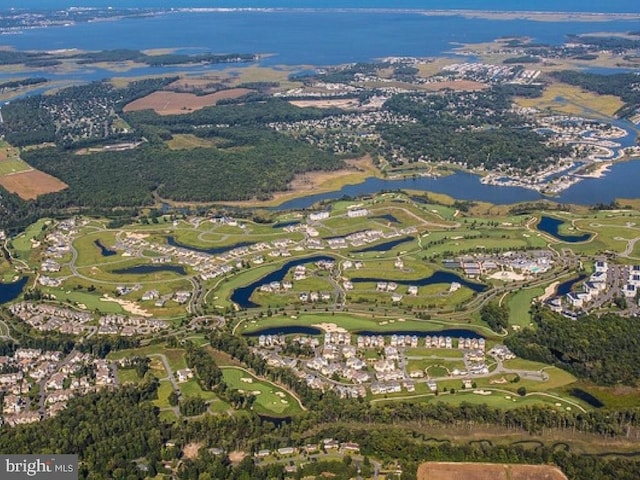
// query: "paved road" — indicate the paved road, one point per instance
point(171, 377)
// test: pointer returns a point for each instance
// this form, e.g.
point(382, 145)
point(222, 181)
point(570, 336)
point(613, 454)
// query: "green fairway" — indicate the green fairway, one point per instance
point(352, 323)
point(519, 305)
point(491, 398)
point(270, 399)
point(91, 301)
point(23, 242)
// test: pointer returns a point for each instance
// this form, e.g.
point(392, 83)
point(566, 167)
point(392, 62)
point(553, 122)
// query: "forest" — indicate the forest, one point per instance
point(602, 349)
point(123, 55)
point(119, 435)
point(246, 158)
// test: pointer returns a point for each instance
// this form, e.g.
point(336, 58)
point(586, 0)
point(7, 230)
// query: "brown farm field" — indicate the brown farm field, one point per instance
point(487, 471)
point(174, 103)
point(29, 185)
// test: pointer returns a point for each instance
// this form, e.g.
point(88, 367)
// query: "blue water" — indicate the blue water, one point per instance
point(620, 182)
point(551, 225)
point(537, 5)
point(212, 251)
point(565, 287)
point(327, 37)
point(146, 269)
point(295, 37)
point(11, 291)
point(384, 247)
point(387, 216)
point(437, 277)
point(285, 224)
point(286, 330)
point(461, 185)
point(104, 251)
point(242, 295)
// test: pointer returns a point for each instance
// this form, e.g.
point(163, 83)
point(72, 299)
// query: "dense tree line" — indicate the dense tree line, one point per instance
point(123, 55)
point(617, 44)
point(523, 59)
point(192, 406)
point(206, 370)
point(108, 430)
point(495, 315)
point(249, 160)
point(603, 349)
point(253, 162)
point(27, 82)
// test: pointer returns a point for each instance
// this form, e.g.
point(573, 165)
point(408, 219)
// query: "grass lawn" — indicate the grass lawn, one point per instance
point(128, 375)
point(351, 323)
point(620, 396)
point(22, 243)
point(494, 400)
point(89, 300)
point(519, 305)
point(10, 161)
point(188, 142)
point(13, 165)
point(175, 356)
point(164, 390)
point(191, 388)
point(271, 400)
point(168, 416)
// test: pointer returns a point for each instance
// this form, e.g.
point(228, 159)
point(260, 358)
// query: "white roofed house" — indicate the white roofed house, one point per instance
point(601, 266)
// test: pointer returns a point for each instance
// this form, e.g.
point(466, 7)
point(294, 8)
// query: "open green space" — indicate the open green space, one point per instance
point(90, 254)
point(351, 323)
point(191, 388)
point(619, 396)
point(91, 301)
point(436, 367)
point(519, 304)
point(22, 244)
point(167, 416)
point(128, 375)
point(10, 161)
point(175, 356)
point(270, 399)
point(164, 390)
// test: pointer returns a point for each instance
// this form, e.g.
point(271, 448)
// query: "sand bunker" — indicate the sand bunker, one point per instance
point(329, 327)
point(128, 306)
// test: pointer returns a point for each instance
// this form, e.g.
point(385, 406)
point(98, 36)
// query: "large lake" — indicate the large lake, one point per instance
point(299, 37)
point(620, 182)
